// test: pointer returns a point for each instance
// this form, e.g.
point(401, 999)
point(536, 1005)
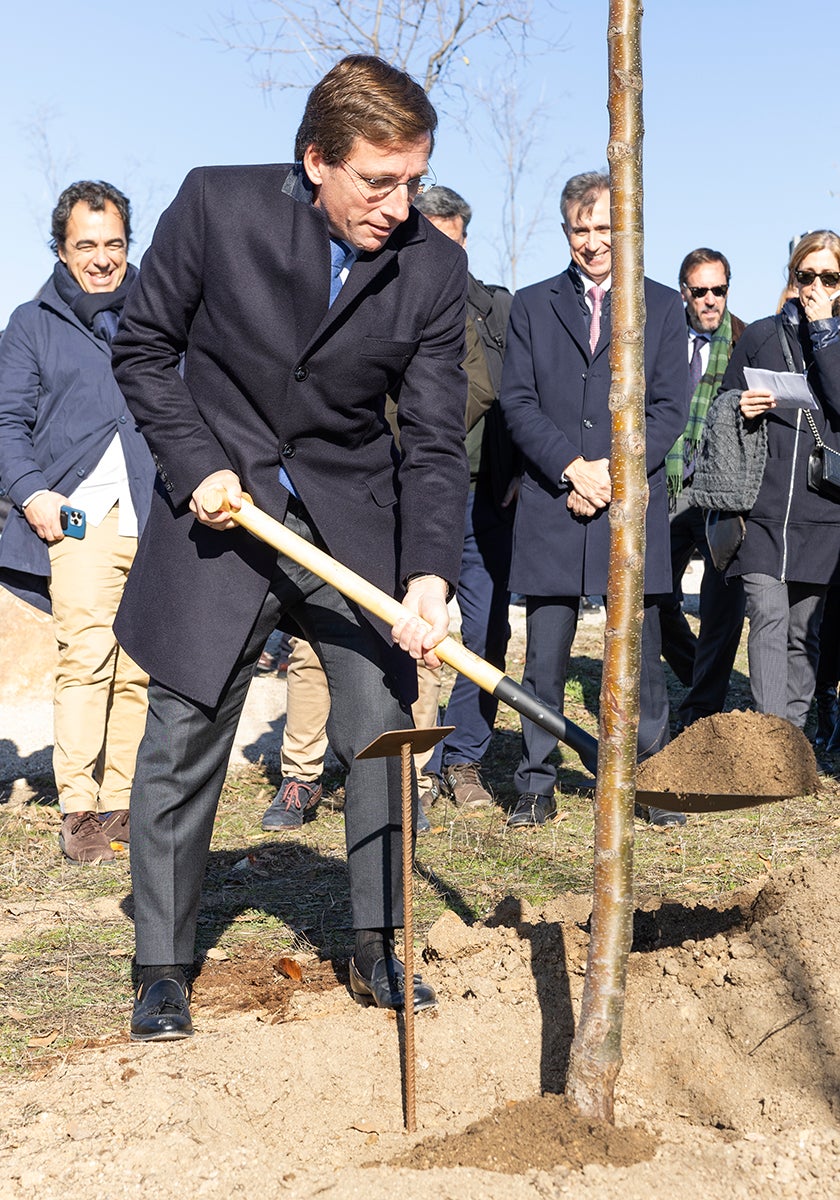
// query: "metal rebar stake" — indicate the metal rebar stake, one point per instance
point(406, 742)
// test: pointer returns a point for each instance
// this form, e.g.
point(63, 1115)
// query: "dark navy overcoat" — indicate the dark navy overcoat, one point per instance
point(555, 401)
point(237, 281)
point(60, 407)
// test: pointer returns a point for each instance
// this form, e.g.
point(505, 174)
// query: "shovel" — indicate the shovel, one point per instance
point(487, 677)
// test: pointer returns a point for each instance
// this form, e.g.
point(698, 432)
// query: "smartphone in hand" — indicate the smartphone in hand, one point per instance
point(73, 521)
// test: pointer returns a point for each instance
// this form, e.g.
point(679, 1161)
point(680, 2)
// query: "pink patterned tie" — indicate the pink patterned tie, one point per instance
point(596, 295)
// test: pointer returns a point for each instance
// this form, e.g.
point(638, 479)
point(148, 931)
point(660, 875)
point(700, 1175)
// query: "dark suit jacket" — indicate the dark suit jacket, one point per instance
point(59, 410)
point(237, 279)
point(554, 397)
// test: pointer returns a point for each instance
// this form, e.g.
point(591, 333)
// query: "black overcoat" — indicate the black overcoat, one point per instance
point(555, 400)
point(237, 281)
point(793, 534)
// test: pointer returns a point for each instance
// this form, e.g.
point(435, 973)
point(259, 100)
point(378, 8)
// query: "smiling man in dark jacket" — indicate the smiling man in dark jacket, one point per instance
point(67, 439)
point(555, 397)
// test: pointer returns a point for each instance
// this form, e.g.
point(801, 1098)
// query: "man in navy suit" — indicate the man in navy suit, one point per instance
point(555, 390)
point(299, 296)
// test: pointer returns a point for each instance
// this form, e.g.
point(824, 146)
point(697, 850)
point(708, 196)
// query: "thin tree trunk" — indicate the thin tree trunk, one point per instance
point(596, 1052)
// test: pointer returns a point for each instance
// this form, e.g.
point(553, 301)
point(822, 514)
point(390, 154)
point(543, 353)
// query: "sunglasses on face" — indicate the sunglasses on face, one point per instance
point(830, 279)
point(699, 292)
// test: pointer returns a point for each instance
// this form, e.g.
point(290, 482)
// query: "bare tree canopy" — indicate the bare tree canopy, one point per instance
point(430, 39)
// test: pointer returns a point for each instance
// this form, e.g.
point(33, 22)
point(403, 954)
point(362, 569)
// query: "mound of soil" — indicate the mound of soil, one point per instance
point(734, 753)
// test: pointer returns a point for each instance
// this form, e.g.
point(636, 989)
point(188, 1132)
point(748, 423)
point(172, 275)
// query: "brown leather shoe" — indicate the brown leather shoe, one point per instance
point(116, 825)
point(82, 839)
point(466, 787)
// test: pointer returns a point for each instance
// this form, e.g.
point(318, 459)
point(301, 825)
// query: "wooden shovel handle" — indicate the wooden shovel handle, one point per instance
point(487, 677)
point(370, 597)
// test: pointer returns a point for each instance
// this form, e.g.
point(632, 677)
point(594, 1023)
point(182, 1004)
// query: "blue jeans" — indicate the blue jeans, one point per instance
point(483, 599)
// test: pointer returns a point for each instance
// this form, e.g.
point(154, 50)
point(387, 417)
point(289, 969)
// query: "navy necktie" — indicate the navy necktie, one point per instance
point(338, 255)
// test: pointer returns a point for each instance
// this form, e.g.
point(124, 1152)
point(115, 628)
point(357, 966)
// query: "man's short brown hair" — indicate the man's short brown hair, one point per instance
point(363, 96)
point(697, 258)
point(95, 193)
point(582, 191)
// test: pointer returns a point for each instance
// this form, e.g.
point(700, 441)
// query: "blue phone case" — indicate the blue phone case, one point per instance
point(73, 521)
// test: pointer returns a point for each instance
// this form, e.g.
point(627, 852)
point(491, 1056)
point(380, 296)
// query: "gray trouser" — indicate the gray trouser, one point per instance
point(183, 758)
point(783, 644)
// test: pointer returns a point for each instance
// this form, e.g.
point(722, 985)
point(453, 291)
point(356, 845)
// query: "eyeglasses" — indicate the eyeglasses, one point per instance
point(806, 278)
point(377, 188)
point(699, 292)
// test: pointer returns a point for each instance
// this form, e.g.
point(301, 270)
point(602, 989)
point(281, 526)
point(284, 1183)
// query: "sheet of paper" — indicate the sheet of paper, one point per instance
point(790, 389)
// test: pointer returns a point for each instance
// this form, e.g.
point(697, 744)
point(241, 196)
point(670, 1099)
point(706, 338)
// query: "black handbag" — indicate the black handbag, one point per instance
point(725, 531)
point(823, 466)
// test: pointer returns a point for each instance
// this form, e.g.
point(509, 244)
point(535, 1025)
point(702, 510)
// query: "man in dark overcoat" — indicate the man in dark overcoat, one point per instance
point(299, 295)
point(555, 389)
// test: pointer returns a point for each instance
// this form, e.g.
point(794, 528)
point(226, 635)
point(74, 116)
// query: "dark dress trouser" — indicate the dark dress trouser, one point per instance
point(550, 630)
point(184, 754)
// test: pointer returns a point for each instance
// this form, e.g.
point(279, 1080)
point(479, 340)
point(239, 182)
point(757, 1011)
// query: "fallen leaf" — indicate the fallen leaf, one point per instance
point(673, 849)
point(216, 954)
point(290, 968)
point(9, 956)
point(15, 1014)
point(46, 1040)
point(120, 953)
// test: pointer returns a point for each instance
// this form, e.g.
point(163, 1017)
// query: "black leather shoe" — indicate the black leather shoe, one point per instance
point(661, 817)
point(386, 986)
point(161, 1013)
point(531, 810)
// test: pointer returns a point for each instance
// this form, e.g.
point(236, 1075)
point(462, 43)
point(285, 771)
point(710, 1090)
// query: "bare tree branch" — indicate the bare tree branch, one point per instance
point(595, 1058)
point(300, 39)
point(516, 132)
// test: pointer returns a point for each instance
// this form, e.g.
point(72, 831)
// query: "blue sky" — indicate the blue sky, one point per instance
point(742, 148)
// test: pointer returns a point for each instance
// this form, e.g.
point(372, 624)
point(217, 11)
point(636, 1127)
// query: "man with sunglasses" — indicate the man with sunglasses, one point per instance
point(702, 663)
point(299, 295)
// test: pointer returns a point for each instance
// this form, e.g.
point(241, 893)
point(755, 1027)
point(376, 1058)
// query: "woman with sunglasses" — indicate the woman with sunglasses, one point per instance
point(791, 551)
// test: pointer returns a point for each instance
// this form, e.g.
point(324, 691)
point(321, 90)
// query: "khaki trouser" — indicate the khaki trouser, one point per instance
point(100, 693)
point(308, 705)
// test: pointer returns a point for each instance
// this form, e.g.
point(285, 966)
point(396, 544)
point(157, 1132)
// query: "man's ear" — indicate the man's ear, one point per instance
point(313, 161)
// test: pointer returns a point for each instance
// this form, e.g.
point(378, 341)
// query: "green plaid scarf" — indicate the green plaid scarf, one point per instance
point(684, 449)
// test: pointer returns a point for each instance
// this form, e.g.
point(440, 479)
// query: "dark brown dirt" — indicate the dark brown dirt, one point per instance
point(734, 753)
point(255, 981)
point(542, 1133)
